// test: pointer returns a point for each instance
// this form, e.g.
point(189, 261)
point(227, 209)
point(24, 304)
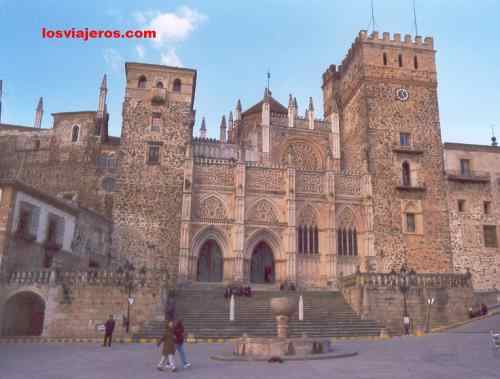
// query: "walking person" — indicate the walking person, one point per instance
point(179, 342)
point(168, 349)
point(109, 328)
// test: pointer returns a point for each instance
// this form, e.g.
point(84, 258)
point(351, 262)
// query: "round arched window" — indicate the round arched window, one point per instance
point(75, 134)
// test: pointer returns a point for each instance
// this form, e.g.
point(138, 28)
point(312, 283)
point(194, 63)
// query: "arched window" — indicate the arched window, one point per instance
point(75, 134)
point(415, 62)
point(159, 85)
point(177, 85)
point(400, 60)
point(142, 82)
point(406, 174)
point(347, 242)
point(307, 239)
point(384, 58)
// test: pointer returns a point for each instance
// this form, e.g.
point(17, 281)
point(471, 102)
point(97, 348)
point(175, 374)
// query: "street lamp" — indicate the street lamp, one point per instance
point(405, 280)
point(430, 302)
point(130, 284)
point(404, 286)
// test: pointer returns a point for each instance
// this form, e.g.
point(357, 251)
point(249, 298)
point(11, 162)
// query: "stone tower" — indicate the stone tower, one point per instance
point(158, 120)
point(386, 94)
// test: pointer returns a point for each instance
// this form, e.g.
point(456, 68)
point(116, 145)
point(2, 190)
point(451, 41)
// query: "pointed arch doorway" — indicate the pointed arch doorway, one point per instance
point(210, 262)
point(262, 268)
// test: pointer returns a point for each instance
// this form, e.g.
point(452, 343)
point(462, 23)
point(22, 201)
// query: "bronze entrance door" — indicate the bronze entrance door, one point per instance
point(262, 264)
point(210, 263)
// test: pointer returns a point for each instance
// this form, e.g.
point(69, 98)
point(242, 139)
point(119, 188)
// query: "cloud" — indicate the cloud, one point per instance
point(170, 58)
point(113, 59)
point(141, 52)
point(171, 27)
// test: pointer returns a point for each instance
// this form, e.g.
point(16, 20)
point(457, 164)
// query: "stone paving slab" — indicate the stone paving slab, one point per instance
point(456, 355)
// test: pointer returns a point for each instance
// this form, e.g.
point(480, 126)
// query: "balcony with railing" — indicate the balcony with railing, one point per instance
point(159, 96)
point(472, 176)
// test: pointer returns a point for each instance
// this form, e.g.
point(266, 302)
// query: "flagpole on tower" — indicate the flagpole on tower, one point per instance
point(268, 78)
point(415, 18)
point(372, 23)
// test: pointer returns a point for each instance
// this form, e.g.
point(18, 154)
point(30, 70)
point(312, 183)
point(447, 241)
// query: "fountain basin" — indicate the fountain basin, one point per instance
point(284, 306)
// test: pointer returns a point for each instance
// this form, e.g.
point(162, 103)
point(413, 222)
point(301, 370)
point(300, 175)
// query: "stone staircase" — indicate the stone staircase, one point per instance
point(205, 313)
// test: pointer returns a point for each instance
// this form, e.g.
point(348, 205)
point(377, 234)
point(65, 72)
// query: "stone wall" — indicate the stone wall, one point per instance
point(87, 301)
point(47, 159)
point(371, 120)
point(148, 202)
point(466, 226)
point(378, 297)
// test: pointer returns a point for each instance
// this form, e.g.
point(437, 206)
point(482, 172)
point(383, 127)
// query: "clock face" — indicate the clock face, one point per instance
point(402, 94)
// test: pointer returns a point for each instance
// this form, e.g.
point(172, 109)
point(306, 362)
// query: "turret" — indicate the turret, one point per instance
point(223, 129)
point(237, 111)
point(310, 113)
point(230, 121)
point(266, 124)
point(102, 97)
point(266, 108)
point(203, 129)
point(335, 122)
point(102, 113)
point(39, 114)
point(292, 111)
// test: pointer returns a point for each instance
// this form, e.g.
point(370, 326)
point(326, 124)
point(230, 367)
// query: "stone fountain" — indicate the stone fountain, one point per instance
point(281, 346)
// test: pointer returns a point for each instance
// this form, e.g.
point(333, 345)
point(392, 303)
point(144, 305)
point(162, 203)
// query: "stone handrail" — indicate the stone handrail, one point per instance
point(391, 280)
point(97, 278)
point(29, 277)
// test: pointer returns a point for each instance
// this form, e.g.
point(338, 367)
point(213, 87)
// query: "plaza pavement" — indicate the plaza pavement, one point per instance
point(464, 352)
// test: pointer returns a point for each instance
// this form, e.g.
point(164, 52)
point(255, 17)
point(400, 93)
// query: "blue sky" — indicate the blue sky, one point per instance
point(232, 44)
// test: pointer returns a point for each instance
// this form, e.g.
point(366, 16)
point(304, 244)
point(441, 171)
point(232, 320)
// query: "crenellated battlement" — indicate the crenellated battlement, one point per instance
point(386, 40)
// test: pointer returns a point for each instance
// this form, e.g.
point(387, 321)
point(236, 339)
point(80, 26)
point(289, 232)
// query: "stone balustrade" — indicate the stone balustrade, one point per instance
point(29, 277)
point(86, 278)
point(391, 280)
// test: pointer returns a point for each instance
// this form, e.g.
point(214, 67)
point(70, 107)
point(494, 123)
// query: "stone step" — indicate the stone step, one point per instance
point(205, 313)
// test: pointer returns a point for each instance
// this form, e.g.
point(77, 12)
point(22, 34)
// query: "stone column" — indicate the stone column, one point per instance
point(291, 247)
point(328, 259)
point(185, 240)
point(239, 221)
point(282, 326)
point(369, 242)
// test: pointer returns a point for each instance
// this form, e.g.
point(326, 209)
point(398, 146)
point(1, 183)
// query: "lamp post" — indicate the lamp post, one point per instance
point(406, 279)
point(130, 283)
point(404, 287)
point(430, 302)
